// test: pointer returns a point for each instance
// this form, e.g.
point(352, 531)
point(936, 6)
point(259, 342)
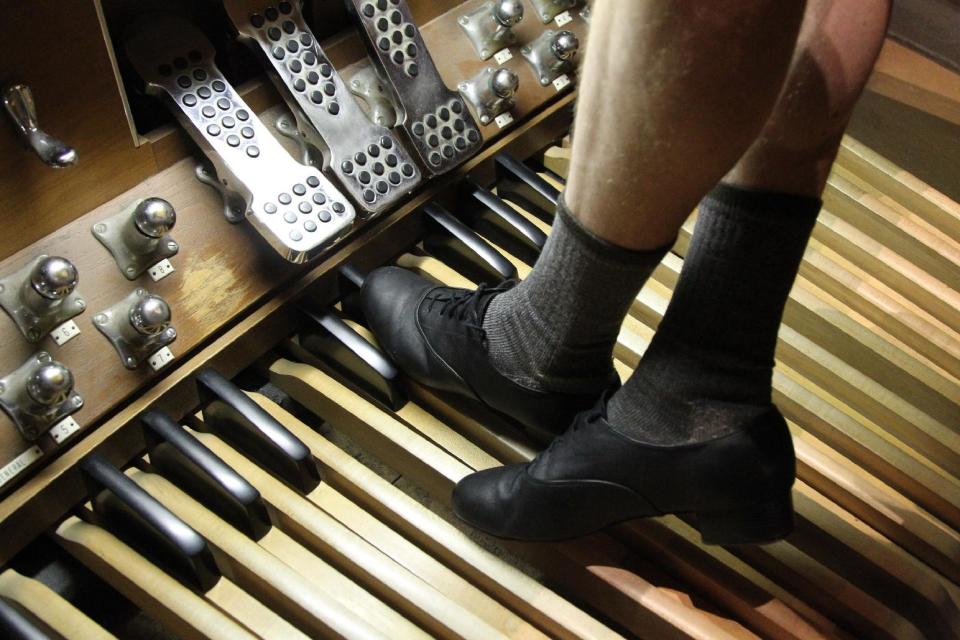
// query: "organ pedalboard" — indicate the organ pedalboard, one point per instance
point(230, 454)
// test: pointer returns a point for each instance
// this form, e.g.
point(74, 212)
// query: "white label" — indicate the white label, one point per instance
point(18, 464)
point(160, 358)
point(503, 119)
point(64, 429)
point(560, 82)
point(160, 270)
point(502, 56)
point(563, 18)
point(62, 334)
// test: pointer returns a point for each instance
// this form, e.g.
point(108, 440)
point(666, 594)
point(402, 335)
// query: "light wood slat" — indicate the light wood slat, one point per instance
point(936, 337)
point(865, 557)
point(930, 295)
point(913, 239)
point(258, 571)
point(307, 519)
point(393, 442)
point(900, 186)
point(50, 607)
point(879, 506)
point(175, 606)
point(427, 424)
point(250, 612)
point(849, 604)
point(876, 353)
point(763, 605)
point(428, 530)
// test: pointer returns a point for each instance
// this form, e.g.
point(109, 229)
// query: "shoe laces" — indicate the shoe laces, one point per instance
point(590, 416)
point(464, 305)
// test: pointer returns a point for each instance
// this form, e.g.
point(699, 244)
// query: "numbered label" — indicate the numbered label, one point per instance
point(503, 120)
point(563, 18)
point(561, 82)
point(65, 332)
point(64, 429)
point(160, 359)
point(9, 471)
point(160, 270)
point(502, 56)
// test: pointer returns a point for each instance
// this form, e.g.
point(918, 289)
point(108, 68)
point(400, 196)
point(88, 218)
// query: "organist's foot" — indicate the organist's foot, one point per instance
point(737, 485)
point(436, 335)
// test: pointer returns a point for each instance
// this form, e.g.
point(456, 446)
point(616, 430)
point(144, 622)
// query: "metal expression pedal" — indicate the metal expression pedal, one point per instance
point(365, 157)
point(295, 207)
point(435, 119)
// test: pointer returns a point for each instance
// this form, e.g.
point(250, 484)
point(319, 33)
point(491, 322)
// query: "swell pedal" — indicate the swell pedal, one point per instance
point(435, 119)
point(295, 207)
point(369, 162)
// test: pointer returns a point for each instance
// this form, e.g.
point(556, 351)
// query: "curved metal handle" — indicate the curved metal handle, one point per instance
point(18, 101)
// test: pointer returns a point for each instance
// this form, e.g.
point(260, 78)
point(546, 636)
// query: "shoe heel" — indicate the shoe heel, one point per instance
point(757, 524)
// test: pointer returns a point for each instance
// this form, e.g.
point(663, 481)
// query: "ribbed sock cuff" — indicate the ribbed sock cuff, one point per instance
point(602, 248)
point(746, 199)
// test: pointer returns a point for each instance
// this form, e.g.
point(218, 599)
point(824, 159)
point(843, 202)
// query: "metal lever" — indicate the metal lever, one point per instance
point(551, 54)
point(490, 26)
point(137, 236)
point(138, 326)
point(491, 92)
point(40, 296)
point(295, 207)
point(18, 100)
point(435, 118)
point(38, 395)
point(370, 163)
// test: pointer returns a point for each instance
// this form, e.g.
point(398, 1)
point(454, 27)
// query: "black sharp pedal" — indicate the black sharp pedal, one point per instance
point(496, 220)
point(520, 184)
point(459, 246)
point(190, 465)
point(236, 418)
point(366, 158)
point(435, 118)
point(335, 343)
point(127, 510)
point(295, 207)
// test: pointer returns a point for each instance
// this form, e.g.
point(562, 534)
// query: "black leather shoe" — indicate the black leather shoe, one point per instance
point(738, 485)
point(435, 335)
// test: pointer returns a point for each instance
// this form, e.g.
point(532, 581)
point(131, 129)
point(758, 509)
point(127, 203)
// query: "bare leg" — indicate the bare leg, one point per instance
point(838, 45)
point(671, 95)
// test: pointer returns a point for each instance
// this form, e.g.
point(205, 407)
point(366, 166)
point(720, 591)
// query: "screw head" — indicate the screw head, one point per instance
point(99, 227)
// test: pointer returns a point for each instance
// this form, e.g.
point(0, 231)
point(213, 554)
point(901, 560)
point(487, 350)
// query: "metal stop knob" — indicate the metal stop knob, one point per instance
point(154, 217)
point(150, 315)
point(50, 384)
point(565, 45)
point(504, 82)
point(508, 12)
point(54, 278)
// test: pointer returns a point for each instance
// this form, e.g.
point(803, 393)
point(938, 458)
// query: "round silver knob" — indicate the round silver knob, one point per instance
point(50, 384)
point(54, 278)
point(565, 45)
point(508, 12)
point(504, 82)
point(150, 315)
point(154, 217)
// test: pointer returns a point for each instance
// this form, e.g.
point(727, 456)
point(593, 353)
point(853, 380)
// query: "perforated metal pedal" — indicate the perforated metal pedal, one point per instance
point(366, 158)
point(295, 207)
point(435, 118)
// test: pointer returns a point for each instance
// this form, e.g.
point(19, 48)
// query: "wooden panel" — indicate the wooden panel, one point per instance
point(57, 49)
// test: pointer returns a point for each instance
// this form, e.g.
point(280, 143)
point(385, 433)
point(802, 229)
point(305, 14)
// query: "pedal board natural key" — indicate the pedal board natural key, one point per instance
point(435, 118)
point(365, 157)
point(295, 207)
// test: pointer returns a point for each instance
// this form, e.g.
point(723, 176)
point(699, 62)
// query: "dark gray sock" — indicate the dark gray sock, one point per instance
point(709, 367)
point(555, 331)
